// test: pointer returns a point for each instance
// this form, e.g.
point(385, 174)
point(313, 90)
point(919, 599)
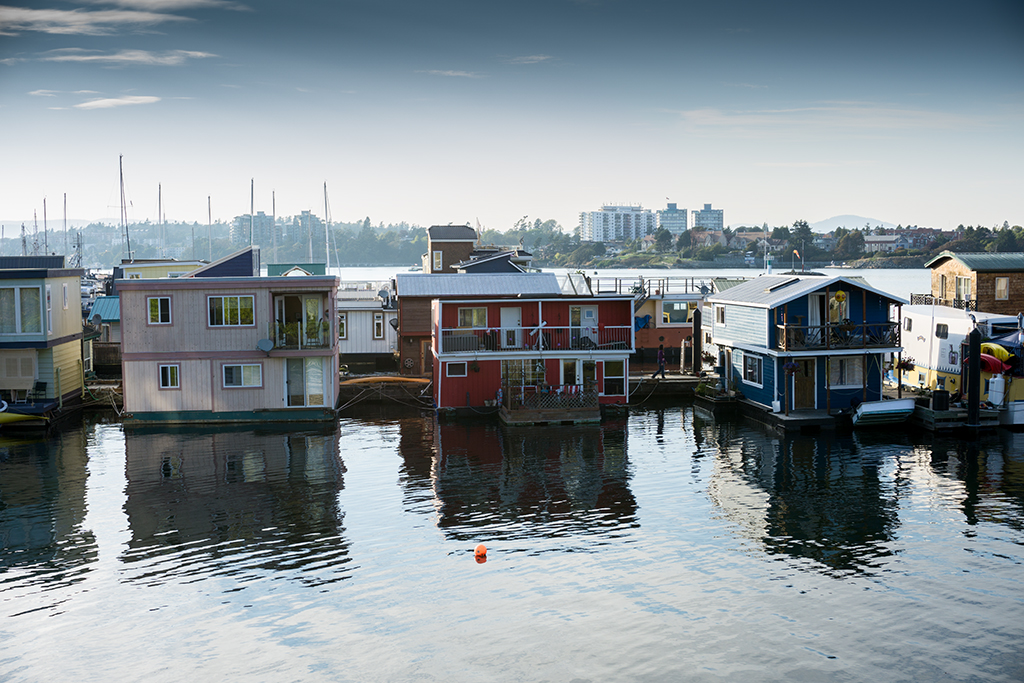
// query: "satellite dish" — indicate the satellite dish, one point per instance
point(704, 290)
point(383, 294)
point(265, 345)
point(394, 323)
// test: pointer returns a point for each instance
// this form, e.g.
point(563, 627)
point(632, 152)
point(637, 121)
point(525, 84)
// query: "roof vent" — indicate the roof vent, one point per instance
point(784, 283)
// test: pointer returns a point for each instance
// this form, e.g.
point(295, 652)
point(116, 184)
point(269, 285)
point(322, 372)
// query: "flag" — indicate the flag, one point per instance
point(796, 252)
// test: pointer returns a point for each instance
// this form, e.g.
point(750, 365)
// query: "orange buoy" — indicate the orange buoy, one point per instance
point(480, 550)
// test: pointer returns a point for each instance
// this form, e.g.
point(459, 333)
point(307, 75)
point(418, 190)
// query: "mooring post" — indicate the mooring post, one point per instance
point(974, 380)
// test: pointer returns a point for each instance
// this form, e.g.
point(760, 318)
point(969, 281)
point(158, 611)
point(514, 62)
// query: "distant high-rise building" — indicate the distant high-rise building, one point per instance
point(262, 227)
point(708, 219)
point(617, 224)
point(674, 220)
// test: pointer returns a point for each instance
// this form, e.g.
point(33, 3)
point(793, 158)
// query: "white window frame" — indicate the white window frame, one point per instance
point(838, 370)
point(963, 287)
point(378, 325)
point(49, 310)
point(1005, 282)
point(149, 310)
point(452, 369)
point(241, 370)
point(343, 326)
point(438, 261)
point(720, 315)
point(759, 361)
point(223, 297)
point(606, 377)
point(171, 382)
point(472, 313)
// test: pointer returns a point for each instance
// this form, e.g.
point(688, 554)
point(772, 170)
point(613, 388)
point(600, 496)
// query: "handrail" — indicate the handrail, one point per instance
point(844, 335)
point(536, 338)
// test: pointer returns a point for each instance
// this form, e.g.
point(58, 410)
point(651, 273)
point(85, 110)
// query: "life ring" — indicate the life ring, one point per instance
point(408, 362)
point(840, 296)
point(3, 405)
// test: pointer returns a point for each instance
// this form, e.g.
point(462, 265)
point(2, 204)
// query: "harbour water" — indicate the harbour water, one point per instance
point(663, 546)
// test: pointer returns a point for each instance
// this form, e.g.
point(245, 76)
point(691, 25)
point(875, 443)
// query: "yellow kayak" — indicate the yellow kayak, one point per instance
point(995, 350)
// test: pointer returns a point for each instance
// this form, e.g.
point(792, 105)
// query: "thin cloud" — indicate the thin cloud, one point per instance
point(830, 115)
point(15, 20)
point(169, 5)
point(528, 59)
point(124, 57)
point(746, 85)
point(111, 102)
point(44, 93)
point(452, 74)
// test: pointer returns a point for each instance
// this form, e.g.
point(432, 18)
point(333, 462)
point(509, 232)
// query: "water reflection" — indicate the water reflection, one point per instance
point(531, 482)
point(234, 502)
point(42, 507)
point(822, 498)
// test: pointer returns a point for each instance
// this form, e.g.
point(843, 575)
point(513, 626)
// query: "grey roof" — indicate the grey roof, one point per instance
point(33, 262)
point(982, 262)
point(483, 284)
point(108, 308)
point(451, 232)
point(723, 283)
point(769, 291)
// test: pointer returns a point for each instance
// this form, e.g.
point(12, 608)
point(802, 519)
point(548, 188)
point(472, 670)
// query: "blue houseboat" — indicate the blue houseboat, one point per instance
point(797, 342)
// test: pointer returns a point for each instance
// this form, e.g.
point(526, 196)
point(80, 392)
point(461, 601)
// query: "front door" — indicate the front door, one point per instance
point(426, 358)
point(511, 324)
point(304, 382)
point(583, 327)
point(803, 384)
point(571, 372)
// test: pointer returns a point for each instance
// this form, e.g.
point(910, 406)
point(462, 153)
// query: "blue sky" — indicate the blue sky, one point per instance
point(450, 111)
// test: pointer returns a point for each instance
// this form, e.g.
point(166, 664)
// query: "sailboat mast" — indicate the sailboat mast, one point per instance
point(273, 222)
point(252, 206)
point(126, 239)
point(46, 242)
point(65, 222)
point(327, 230)
point(209, 226)
point(159, 215)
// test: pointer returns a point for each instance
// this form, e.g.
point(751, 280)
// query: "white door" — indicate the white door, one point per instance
point(572, 372)
point(511, 328)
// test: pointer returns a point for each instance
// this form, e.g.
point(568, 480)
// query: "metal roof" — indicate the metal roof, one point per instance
point(769, 291)
point(108, 308)
point(33, 262)
point(451, 232)
point(483, 284)
point(982, 262)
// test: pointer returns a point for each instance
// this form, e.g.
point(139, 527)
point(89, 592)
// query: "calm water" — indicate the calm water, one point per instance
point(661, 547)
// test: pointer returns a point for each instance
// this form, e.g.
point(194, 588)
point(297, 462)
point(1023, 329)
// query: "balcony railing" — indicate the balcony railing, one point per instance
point(298, 335)
point(489, 339)
point(929, 300)
point(844, 335)
point(549, 397)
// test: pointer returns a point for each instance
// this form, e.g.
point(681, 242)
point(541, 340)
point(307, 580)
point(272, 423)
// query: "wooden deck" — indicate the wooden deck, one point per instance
point(532, 416)
point(953, 419)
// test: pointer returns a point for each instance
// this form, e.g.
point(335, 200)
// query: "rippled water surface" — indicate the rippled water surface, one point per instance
point(664, 546)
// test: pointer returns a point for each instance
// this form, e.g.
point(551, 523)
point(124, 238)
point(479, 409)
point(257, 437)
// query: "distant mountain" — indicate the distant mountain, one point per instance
point(849, 222)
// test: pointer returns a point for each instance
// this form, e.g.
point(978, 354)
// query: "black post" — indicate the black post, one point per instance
point(973, 380)
point(697, 354)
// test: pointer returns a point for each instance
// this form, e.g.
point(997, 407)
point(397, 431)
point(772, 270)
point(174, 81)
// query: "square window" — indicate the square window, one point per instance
point(472, 317)
point(942, 331)
point(614, 378)
point(846, 372)
point(169, 377)
point(159, 310)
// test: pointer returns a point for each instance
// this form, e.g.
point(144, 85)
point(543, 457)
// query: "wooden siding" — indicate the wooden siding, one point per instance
point(764, 394)
point(68, 359)
point(414, 316)
point(743, 324)
point(360, 333)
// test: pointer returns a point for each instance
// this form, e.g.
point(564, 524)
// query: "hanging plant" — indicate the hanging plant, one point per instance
point(791, 367)
point(474, 366)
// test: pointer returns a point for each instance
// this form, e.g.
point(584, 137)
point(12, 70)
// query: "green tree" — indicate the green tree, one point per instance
point(663, 240)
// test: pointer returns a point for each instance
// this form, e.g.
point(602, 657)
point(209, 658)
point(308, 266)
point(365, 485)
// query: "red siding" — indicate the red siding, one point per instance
point(480, 385)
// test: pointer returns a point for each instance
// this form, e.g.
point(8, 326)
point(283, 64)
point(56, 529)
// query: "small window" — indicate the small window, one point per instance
point(249, 375)
point(49, 311)
point(720, 315)
point(472, 317)
point(752, 368)
point(343, 326)
point(908, 324)
point(159, 310)
point(455, 370)
point(942, 331)
point(65, 296)
point(437, 260)
point(378, 325)
point(847, 371)
point(1002, 288)
point(134, 276)
point(169, 377)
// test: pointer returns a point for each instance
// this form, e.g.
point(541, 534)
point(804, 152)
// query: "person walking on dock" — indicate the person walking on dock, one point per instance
point(661, 362)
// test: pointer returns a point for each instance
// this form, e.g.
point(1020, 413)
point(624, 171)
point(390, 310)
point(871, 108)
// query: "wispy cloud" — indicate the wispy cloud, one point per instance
point(453, 74)
point(169, 5)
point(125, 57)
point(849, 116)
point(746, 85)
point(111, 102)
point(15, 20)
point(44, 93)
point(527, 59)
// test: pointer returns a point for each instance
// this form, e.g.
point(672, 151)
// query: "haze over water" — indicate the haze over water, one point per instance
point(661, 546)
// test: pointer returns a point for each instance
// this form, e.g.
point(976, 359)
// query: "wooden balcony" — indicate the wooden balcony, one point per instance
point(844, 335)
point(544, 338)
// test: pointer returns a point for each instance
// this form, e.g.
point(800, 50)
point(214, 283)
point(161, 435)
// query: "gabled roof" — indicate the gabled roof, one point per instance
point(243, 263)
point(282, 269)
point(982, 262)
point(769, 291)
point(469, 284)
point(500, 262)
point(108, 308)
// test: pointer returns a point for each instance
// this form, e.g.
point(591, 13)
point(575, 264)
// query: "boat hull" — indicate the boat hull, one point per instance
point(883, 412)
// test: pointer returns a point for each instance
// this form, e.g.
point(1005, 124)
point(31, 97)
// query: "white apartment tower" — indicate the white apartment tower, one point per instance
point(708, 219)
point(674, 220)
point(616, 224)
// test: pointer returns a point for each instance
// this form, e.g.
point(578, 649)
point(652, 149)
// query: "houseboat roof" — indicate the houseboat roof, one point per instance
point(108, 308)
point(769, 291)
point(461, 233)
point(31, 262)
point(982, 262)
point(482, 284)
point(948, 313)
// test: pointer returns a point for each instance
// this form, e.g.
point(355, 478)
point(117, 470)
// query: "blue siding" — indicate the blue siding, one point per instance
point(743, 324)
point(764, 394)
